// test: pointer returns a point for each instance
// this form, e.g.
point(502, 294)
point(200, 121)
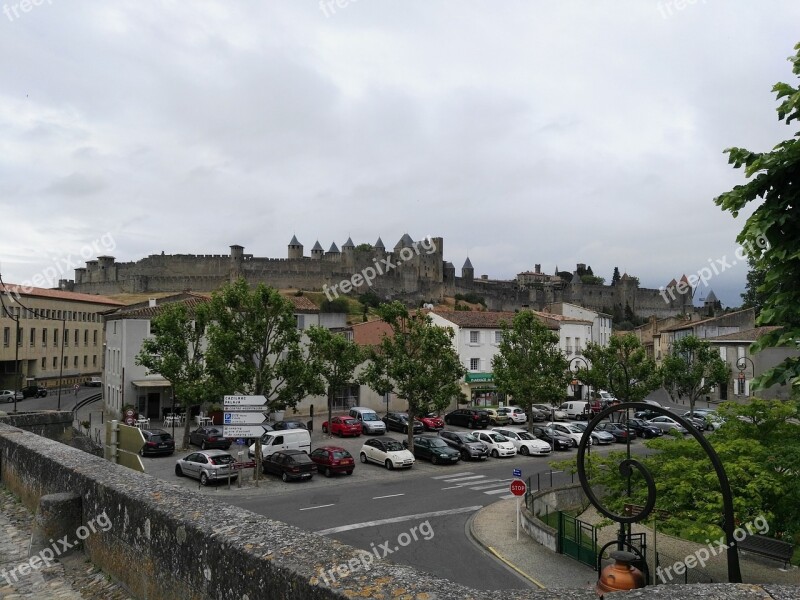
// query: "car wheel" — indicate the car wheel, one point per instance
point(446, 421)
point(141, 452)
point(574, 444)
point(349, 473)
point(495, 454)
point(469, 424)
point(178, 471)
point(285, 477)
point(524, 451)
point(465, 455)
point(328, 472)
point(324, 429)
point(363, 458)
point(203, 479)
point(709, 427)
point(389, 465)
point(434, 460)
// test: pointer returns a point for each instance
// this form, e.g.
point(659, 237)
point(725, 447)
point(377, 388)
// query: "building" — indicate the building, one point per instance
point(60, 341)
point(600, 329)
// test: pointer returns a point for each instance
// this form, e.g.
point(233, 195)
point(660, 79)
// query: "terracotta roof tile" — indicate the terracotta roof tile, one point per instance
point(16, 289)
point(370, 333)
point(486, 319)
point(303, 304)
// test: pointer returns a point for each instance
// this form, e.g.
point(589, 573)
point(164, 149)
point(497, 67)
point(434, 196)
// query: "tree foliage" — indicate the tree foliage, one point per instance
point(753, 296)
point(622, 367)
point(772, 232)
point(175, 350)
point(417, 362)
point(615, 277)
point(529, 365)
point(692, 369)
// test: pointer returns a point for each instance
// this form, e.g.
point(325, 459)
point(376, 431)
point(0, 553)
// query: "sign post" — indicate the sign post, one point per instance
point(245, 417)
point(518, 488)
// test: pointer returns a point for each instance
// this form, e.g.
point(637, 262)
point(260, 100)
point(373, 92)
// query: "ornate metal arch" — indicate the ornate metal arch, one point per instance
point(626, 466)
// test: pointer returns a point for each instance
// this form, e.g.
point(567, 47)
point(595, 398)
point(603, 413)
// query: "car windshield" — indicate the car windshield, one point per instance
point(161, 437)
point(393, 446)
point(369, 417)
point(468, 437)
point(497, 437)
point(524, 435)
point(579, 426)
point(216, 432)
point(339, 454)
point(349, 421)
point(301, 459)
point(223, 459)
point(437, 443)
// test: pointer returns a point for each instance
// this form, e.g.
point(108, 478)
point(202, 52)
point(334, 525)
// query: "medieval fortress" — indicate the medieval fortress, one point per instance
point(413, 271)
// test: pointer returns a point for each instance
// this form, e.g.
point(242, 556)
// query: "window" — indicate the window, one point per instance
point(115, 327)
point(44, 336)
point(86, 337)
point(723, 352)
point(474, 337)
point(33, 337)
point(301, 321)
point(577, 345)
point(739, 353)
point(74, 361)
point(55, 362)
point(44, 362)
point(474, 364)
point(569, 345)
point(498, 337)
point(85, 361)
point(6, 336)
point(55, 338)
point(94, 360)
point(66, 337)
point(66, 361)
point(77, 338)
point(94, 337)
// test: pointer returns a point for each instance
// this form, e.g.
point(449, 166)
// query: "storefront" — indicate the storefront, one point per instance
point(480, 389)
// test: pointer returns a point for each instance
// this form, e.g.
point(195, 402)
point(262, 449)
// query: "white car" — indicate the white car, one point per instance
point(524, 442)
point(666, 424)
point(8, 396)
point(388, 452)
point(498, 444)
point(551, 412)
point(516, 414)
point(569, 430)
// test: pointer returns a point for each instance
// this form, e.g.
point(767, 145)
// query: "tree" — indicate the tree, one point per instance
point(175, 351)
point(623, 366)
point(753, 297)
point(771, 234)
point(692, 369)
point(417, 362)
point(529, 365)
point(615, 277)
point(333, 358)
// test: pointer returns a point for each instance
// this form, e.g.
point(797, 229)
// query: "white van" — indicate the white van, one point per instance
point(575, 409)
point(370, 422)
point(288, 439)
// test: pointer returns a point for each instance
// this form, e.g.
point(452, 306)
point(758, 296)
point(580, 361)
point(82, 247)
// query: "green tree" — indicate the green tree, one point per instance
point(334, 359)
point(753, 297)
point(692, 369)
point(771, 234)
point(529, 365)
point(615, 277)
point(175, 351)
point(417, 362)
point(622, 366)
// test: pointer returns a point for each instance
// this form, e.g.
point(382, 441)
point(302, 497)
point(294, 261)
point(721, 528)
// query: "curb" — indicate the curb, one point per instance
point(489, 550)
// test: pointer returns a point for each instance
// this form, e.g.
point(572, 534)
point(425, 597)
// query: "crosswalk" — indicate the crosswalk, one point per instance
point(482, 483)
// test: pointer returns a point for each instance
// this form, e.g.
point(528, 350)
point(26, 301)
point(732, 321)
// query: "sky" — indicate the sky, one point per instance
point(549, 132)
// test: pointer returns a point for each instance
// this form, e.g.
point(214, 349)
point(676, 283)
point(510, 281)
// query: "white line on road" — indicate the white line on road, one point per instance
point(453, 487)
point(494, 483)
point(313, 507)
point(500, 491)
point(453, 475)
point(457, 479)
point(507, 497)
point(389, 496)
point(438, 513)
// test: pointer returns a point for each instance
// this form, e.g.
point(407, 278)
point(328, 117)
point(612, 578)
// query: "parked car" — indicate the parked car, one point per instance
point(618, 430)
point(8, 395)
point(388, 452)
point(498, 444)
point(576, 409)
point(291, 424)
point(514, 418)
point(498, 418)
point(209, 437)
point(471, 418)
point(667, 424)
point(646, 415)
point(207, 465)
point(599, 436)
point(551, 412)
point(398, 421)
point(343, 426)
point(34, 391)
point(643, 429)
point(555, 438)
point(278, 441)
point(333, 459)
point(519, 416)
point(704, 418)
point(434, 449)
point(370, 422)
point(466, 443)
point(156, 442)
point(431, 422)
point(291, 465)
point(569, 430)
point(94, 382)
point(525, 443)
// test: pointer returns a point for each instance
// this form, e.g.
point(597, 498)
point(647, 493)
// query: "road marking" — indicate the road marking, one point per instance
point(453, 475)
point(500, 491)
point(389, 496)
point(453, 487)
point(506, 497)
point(464, 478)
point(438, 513)
point(517, 569)
point(313, 507)
point(495, 483)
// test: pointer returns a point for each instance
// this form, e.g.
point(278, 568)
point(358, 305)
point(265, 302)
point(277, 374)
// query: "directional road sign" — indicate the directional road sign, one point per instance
point(243, 401)
point(242, 431)
point(517, 472)
point(244, 418)
point(518, 487)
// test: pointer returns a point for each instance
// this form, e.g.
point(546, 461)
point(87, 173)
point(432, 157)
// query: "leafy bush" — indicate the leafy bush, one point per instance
point(338, 305)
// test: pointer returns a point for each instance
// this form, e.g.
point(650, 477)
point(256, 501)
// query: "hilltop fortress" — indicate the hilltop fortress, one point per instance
point(413, 271)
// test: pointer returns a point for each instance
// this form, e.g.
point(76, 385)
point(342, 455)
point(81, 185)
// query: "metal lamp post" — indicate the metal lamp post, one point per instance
point(575, 369)
point(741, 364)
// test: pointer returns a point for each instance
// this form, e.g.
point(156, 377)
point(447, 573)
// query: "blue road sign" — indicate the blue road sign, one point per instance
point(517, 472)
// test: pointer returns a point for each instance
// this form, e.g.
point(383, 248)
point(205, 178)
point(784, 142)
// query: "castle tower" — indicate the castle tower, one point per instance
point(295, 248)
point(379, 245)
point(236, 267)
point(404, 242)
point(317, 252)
point(711, 304)
point(349, 246)
point(467, 271)
point(333, 254)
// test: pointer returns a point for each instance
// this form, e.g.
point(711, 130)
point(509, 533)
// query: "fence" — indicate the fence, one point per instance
point(666, 572)
point(544, 481)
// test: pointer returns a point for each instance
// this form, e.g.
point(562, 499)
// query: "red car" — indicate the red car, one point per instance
point(343, 426)
point(431, 422)
point(332, 459)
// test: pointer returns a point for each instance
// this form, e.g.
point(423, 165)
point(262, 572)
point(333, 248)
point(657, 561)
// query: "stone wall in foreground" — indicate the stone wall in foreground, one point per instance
point(165, 542)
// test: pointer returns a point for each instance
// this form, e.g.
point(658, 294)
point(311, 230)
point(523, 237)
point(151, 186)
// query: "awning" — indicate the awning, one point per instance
point(150, 383)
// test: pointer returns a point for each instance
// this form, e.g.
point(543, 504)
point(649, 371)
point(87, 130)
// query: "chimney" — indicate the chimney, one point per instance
point(151, 302)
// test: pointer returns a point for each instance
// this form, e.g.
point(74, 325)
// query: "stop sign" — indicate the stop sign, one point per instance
point(518, 487)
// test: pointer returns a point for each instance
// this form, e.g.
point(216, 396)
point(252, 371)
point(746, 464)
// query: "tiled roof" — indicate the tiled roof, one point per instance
point(748, 335)
point(370, 333)
point(303, 305)
point(318, 247)
point(486, 319)
point(690, 324)
point(561, 318)
point(294, 241)
point(467, 264)
point(34, 292)
point(143, 310)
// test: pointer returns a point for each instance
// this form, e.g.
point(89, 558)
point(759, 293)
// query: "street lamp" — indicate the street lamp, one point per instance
point(575, 369)
point(741, 364)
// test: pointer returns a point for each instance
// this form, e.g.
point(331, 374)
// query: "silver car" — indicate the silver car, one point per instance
point(207, 465)
point(666, 424)
point(8, 396)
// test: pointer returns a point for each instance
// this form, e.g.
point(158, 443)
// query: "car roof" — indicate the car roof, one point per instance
point(330, 448)
point(290, 452)
point(212, 452)
point(385, 438)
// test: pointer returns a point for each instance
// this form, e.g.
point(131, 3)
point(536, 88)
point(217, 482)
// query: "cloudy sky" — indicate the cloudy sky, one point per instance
point(527, 132)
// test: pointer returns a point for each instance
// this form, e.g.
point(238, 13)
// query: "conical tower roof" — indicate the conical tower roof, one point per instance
point(334, 249)
point(467, 264)
point(405, 242)
point(348, 244)
point(712, 297)
point(294, 241)
point(318, 247)
point(379, 244)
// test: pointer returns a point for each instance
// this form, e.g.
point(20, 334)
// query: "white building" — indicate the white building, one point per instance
point(600, 329)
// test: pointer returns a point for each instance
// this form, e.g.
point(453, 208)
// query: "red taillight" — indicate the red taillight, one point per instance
point(295, 469)
point(151, 444)
point(212, 439)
